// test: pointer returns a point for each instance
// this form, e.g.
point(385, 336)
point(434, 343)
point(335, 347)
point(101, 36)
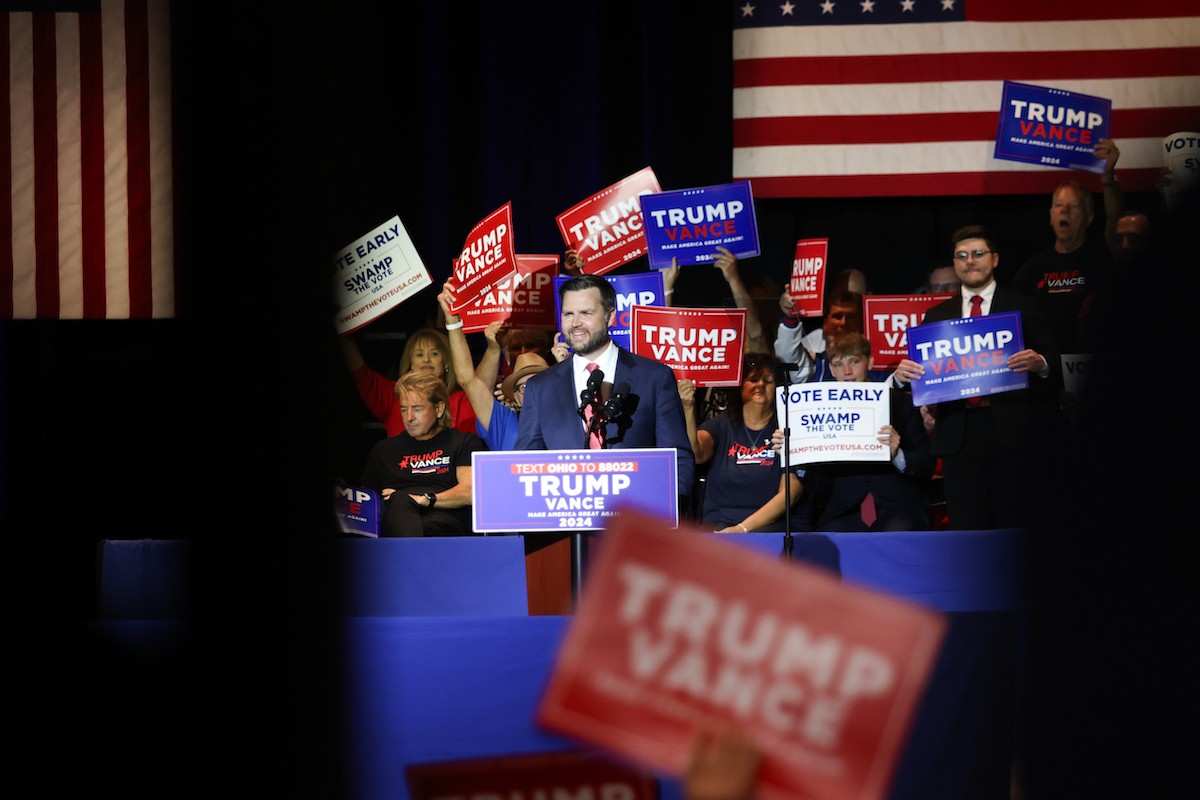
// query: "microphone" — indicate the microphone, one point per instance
point(590, 396)
point(616, 402)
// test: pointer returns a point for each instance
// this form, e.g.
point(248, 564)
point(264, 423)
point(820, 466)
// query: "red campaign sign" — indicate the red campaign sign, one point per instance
point(886, 317)
point(570, 773)
point(807, 282)
point(606, 229)
point(525, 297)
point(678, 629)
point(700, 344)
point(487, 258)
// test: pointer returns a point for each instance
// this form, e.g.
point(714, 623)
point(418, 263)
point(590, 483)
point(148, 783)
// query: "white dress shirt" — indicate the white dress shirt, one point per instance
point(986, 293)
point(606, 360)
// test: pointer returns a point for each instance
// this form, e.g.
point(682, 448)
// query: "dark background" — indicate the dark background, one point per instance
point(299, 127)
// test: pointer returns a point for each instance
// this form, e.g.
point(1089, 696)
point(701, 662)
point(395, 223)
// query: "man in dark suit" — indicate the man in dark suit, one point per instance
point(651, 414)
point(994, 451)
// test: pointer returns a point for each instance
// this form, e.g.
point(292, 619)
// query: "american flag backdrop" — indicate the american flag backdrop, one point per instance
point(87, 218)
point(873, 98)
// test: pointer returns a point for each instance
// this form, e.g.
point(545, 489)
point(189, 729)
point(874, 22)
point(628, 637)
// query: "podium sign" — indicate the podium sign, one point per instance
point(518, 491)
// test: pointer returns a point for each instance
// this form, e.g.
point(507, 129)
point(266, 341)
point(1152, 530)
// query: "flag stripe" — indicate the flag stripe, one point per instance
point(137, 99)
point(1047, 11)
point(68, 120)
point(938, 127)
point(162, 189)
point(998, 66)
point(87, 131)
point(45, 156)
point(901, 158)
point(843, 109)
point(6, 171)
point(920, 99)
point(24, 268)
point(116, 166)
point(91, 104)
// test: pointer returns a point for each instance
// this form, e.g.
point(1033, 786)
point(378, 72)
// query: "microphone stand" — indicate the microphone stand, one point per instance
point(592, 402)
point(590, 398)
point(788, 541)
point(597, 423)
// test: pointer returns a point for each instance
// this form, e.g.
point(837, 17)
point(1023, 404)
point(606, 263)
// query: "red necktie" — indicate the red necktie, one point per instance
point(867, 510)
point(976, 311)
point(595, 439)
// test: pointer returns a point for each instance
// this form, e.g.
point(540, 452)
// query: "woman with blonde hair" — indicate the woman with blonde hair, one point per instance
point(427, 351)
point(424, 472)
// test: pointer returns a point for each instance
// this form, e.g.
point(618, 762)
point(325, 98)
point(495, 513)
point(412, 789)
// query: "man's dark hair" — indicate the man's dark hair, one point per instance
point(972, 232)
point(581, 283)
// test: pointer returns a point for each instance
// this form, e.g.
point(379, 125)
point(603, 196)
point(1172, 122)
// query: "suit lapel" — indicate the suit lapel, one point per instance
point(566, 399)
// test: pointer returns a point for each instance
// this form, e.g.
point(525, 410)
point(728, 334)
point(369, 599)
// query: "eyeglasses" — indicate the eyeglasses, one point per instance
point(963, 255)
point(943, 287)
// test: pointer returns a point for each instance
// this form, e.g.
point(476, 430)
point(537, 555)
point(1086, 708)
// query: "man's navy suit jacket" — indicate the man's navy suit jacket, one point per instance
point(840, 486)
point(653, 416)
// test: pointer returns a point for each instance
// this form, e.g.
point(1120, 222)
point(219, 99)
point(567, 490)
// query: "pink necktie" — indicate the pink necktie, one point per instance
point(976, 311)
point(867, 510)
point(595, 439)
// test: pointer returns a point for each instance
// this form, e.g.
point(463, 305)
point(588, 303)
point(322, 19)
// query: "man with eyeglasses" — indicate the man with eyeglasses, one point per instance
point(993, 451)
point(942, 279)
point(1063, 275)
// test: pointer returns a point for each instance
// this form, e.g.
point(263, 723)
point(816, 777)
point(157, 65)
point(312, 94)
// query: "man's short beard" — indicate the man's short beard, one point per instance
point(595, 342)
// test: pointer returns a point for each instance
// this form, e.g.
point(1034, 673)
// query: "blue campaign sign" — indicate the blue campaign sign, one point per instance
point(358, 510)
point(966, 357)
point(691, 223)
point(640, 289)
point(517, 491)
point(1052, 127)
